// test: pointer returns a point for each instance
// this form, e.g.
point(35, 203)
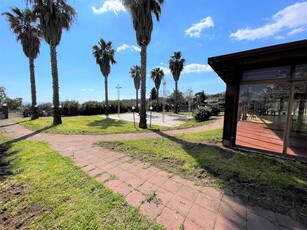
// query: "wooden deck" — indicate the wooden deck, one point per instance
point(258, 135)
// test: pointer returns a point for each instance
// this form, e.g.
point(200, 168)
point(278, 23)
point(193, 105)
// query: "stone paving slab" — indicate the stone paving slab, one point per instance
point(166, 198)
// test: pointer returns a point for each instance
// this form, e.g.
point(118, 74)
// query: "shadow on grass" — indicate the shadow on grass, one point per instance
point(106, 123)
point(229, 167)
point(2, 126)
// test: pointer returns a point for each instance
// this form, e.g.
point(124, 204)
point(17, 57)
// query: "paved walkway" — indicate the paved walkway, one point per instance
point(175, 201)
point(168, 120)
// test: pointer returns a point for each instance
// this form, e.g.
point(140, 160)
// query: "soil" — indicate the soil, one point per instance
point(24, 215)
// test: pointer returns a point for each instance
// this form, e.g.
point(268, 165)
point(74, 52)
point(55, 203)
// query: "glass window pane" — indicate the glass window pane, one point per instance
point(301, 71)
point(262, 114)
point(298, 131)
point(268, 73)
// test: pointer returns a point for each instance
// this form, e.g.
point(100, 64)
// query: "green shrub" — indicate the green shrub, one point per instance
point(91, 108)
point(45, 109)
point(70, 108)
point(202, 113)
point(215, 109)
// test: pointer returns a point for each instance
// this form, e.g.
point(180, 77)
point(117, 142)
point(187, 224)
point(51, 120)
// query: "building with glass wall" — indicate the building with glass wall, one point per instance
point(266, 99)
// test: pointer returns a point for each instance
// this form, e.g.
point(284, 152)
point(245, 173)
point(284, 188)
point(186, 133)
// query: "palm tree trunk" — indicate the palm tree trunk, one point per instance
point(33, 90)
point(137, 100)
point(106, 96)
point(176, 96)
point(157, 108)
point(143, 121)
point(55, 85)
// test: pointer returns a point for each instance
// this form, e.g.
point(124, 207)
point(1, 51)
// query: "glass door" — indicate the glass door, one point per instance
point(298, 127)
point(262, 115)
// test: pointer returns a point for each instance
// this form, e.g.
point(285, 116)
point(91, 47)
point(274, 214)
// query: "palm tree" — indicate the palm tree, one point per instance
point(23, 24)
point(176, 66)
point(141, 14)
point(54, 16)
point(157, 75)
point(104, 55)
point(135, 73)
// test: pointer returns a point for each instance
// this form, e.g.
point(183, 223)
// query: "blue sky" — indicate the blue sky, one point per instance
point(198, 28)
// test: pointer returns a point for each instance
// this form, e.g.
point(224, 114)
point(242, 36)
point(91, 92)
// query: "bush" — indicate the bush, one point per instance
point(91, 108)
point(45, 109)
point(70, 108)
point(202, 113)
point(215, 109)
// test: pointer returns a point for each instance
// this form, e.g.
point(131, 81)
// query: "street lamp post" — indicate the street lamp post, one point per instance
point(190, 96)
point(163, 106)
point(118, 87)
point(150, 115)
point(133, 116)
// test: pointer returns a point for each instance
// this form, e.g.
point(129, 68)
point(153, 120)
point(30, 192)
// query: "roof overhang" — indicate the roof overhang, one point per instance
point(228, 66)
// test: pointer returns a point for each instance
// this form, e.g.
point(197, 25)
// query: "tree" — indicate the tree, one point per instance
point(157, 75)
point(54, 16)
point(171, 100)
point(176, 66)
point(141, 14)
point(153, 94)
point(3, 95)
point(135, 73)
point(104, 54)
point(14, 104)
point(201, 97)
point(24, 26)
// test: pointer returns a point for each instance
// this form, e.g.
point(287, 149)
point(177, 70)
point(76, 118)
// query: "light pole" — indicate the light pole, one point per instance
point(163, 106)
point(150, 115)
point(190, 91)
point(133, 116)
point(118, 87)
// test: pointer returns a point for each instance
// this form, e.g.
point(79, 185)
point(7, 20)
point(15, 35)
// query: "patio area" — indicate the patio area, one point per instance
point(257, 134)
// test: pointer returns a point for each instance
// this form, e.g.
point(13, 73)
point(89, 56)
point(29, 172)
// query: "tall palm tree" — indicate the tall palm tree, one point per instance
point(104, 55)
point(135, 73)
point(23, 24)
point(54, 16)
point(157, 75)
point(141, 14)
point(176, 66)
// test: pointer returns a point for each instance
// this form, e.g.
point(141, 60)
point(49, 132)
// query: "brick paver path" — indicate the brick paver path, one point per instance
point(175, 202)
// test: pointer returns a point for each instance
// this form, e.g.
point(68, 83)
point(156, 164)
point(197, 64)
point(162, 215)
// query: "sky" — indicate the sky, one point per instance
point(198, 28)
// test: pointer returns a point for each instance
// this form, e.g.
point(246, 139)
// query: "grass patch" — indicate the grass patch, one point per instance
point(40, 189)
point(278, 184)
point(82, 125)
point(96, 125)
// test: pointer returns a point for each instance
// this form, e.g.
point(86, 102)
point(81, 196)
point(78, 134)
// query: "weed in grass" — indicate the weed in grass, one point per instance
point(152, 197)
point(112, 177)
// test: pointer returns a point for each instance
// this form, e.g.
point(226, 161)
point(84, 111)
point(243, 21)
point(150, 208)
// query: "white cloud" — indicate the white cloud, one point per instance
point(109, 5)
point(296, 31)
point(293, 18)
point(125, 46)
point(196, 68)
point(87, 90)
point(136, 48)
point(122, 47)
point(196, 29)
point(191, 68)
point(165, 70)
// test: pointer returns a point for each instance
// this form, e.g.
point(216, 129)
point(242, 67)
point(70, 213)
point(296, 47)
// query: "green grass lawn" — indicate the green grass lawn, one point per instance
point(82, 125)
point(46, 191)
point(251, 176)
point(95, 125)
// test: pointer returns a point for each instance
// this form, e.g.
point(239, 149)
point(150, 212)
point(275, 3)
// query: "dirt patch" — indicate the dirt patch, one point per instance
point(24, 216)
point(19, 217)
